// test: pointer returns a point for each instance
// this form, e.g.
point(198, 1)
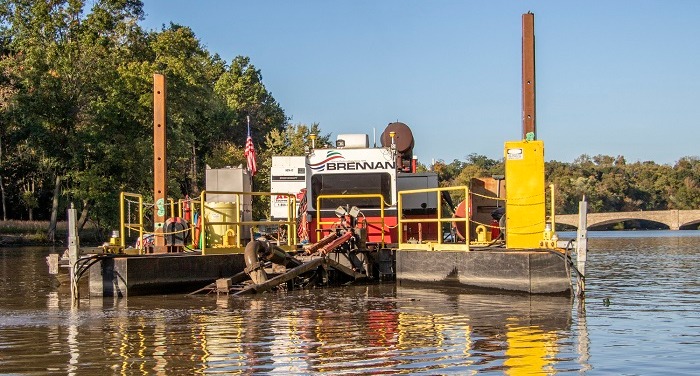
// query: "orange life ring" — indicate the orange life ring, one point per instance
point(463, 210)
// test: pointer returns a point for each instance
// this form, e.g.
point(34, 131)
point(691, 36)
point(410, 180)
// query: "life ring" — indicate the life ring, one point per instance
point(176, 231)
point(463, 210)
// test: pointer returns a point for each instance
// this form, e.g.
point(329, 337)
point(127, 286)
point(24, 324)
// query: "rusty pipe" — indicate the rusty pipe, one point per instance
point(309, 249)
point(254, 268)
point(335, 243)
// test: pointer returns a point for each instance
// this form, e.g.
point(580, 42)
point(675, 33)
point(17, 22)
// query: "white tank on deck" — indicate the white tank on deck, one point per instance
point(352, 141)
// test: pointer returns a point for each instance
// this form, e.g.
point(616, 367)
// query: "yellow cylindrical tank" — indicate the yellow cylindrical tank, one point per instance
point(219, 219)
point(525, 196)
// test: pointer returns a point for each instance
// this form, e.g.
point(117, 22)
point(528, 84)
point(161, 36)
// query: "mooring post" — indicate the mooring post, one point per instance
point(160, 172)
point(528, 76)
point(73, 247)
point(582, 241)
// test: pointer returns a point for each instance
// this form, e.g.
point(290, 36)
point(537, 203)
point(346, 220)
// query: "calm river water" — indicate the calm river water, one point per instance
point(641, 315)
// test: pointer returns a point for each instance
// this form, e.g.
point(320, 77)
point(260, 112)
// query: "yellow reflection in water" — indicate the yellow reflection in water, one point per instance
point(221, 340)
point(418, 330)
point(530, 350)
point(160, 348)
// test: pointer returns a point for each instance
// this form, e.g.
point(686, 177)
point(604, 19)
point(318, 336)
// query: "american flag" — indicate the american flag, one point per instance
point(250, 153)
point(302, 223)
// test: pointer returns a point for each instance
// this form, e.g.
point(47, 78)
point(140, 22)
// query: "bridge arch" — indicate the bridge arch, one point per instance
point(692, 225)
point(660, 225)
point(673, 219)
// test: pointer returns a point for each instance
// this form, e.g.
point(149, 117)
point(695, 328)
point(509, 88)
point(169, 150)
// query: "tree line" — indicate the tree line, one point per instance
point(76, 122)
point(76, 107)
point(610, 184)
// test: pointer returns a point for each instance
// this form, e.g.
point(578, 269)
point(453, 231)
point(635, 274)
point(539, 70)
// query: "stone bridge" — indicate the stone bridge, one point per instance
point(674, 219)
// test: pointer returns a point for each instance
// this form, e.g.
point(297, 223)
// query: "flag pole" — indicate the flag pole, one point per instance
point(249, 171)
point(248, 119)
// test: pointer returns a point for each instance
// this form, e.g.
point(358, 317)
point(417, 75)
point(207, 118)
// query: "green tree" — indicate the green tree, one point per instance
point(246, 97)
point(63, 59)
point(686, 191)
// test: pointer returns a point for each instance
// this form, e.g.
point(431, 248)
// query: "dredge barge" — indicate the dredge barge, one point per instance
point(344, 214)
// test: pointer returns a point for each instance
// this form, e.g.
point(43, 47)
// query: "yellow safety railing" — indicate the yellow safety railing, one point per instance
point(201, 206)
point(438, 220)
point(172, 207)
point(319, 223)
point(549, 237)
point(551, 206)
point(237, 223)
point(125, 223)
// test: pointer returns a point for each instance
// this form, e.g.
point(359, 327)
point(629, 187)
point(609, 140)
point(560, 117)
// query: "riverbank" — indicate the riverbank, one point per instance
point(18, 233)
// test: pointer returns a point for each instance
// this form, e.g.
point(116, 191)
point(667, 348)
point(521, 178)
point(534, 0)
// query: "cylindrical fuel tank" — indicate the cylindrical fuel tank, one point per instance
point(403, 137)
point(216, 213)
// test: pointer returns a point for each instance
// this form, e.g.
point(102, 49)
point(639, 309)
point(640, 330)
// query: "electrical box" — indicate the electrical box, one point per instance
point(287, 175)
point(230, 179)
point(525, 193)
point(220, 208)
point(418, 202)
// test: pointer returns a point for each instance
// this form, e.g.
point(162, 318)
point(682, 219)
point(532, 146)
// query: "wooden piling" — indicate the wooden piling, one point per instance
point(528, 76)
point(160, 172)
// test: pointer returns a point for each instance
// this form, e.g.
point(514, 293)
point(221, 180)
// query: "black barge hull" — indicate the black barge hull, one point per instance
point(160, 274)
point(526, 271)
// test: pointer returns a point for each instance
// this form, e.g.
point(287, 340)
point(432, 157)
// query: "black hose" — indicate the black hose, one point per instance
point(568, 260)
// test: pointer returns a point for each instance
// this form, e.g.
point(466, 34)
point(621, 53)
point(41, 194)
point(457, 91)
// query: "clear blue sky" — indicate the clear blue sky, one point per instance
point(613, 77)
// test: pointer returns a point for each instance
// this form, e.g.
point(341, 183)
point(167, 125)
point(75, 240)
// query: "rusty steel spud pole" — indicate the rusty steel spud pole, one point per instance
point(529, 123)
point(160, 173)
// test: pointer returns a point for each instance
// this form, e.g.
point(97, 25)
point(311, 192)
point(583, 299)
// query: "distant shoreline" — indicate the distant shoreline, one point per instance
point(26, 239)
point(34, 233)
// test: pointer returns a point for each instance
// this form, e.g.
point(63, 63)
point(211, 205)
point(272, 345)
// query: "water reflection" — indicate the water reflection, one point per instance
point(583, 341)
point(379, 329)
point(516, 335)
point(652, 285)
point(366, 329)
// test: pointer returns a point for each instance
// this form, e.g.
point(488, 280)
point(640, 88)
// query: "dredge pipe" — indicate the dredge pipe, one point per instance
point(335, 243)
point(309, 249)
point(254, 268)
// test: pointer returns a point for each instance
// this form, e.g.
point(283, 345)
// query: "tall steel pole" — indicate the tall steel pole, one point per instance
point(529, 123)
point(160, 172)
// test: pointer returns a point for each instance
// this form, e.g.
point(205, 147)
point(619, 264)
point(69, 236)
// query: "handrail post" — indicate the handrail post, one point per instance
point(292, 205)
point(319, 231)
point(551, 207)
point(381, 206)
point(467, 225)
point(203, 216)
point(172, 206)
point(439, 216)
point(122, 233)
point(141, 251)
point(295, 213)
point(399, 214)
point(238, 218)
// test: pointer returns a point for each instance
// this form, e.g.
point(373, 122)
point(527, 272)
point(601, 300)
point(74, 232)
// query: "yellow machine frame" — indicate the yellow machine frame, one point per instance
point(319, 224)
point(438, 220)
